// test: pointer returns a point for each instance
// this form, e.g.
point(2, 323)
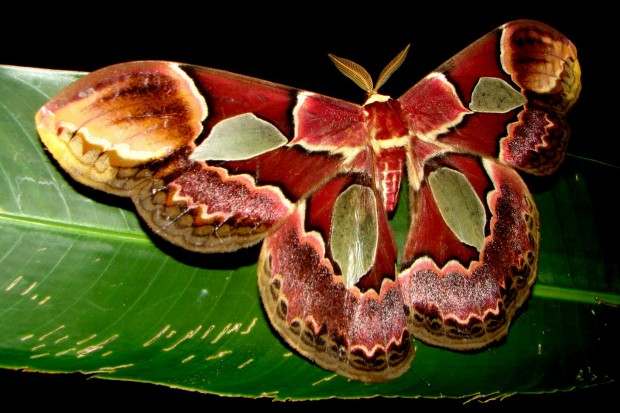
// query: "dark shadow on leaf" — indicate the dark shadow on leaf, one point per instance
point(542, 184)
point(216, 261)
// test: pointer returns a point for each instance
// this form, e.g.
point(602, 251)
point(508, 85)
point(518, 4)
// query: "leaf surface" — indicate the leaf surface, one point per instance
point(85, 287)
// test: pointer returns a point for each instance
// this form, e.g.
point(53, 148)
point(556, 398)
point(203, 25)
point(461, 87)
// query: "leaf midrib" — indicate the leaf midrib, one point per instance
point(547, 291)
point(69, 228)
point(539, 290)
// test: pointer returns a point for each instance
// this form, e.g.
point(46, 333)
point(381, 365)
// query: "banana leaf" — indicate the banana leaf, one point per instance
point(85, 287)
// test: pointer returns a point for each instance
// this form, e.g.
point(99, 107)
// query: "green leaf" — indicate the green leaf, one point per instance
point(85, 287)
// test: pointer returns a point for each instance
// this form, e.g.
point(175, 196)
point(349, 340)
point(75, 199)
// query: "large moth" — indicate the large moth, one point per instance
point(216, 161)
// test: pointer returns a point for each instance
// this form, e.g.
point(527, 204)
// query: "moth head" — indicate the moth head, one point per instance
point(362, 78)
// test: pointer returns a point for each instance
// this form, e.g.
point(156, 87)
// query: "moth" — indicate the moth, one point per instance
point(216, 161)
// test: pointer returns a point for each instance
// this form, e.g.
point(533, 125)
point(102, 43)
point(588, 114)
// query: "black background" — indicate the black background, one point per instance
point(288, 44)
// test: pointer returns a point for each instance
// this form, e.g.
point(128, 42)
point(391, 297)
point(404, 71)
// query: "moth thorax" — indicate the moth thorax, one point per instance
point(384, 121)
